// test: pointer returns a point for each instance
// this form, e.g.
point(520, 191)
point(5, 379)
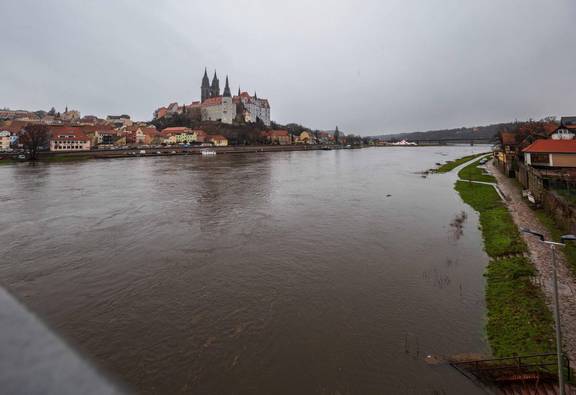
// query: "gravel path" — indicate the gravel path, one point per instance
point(541, 257)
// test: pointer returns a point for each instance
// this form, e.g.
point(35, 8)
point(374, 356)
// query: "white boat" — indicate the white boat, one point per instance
point(208, 152)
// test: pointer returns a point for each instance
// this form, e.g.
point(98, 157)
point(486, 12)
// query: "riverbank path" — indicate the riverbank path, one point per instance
point(524, 217)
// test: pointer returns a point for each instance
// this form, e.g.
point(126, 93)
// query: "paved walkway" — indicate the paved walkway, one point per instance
point(540, 255)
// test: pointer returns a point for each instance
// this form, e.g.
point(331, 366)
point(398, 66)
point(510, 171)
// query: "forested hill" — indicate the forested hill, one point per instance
point(479, 132)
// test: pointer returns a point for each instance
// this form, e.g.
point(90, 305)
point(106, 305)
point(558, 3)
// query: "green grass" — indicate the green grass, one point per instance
point(473, 173)
point(448, 166)
point(568, 196)
point(569, 250)
point(518, 320)
point(7, 162)
point(501, 236)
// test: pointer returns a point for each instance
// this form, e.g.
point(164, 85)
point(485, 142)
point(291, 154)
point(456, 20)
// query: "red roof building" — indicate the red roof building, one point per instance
point(551, 153)
point(552, 146)
point(69, 140)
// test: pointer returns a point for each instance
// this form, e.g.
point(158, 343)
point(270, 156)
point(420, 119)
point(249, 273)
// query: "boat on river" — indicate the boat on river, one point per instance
point(208, 152)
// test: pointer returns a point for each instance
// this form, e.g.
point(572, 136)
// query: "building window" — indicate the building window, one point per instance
point(539, 159)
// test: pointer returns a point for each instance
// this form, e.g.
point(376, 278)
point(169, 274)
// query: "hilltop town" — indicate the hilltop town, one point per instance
point(218, 119)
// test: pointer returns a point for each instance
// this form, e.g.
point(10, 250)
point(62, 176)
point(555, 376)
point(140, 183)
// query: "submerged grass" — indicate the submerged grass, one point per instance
point(501, 236)
point(65, 158)
point(519, 321)
point(448, 166)
point(474, 173)
point(8, 162)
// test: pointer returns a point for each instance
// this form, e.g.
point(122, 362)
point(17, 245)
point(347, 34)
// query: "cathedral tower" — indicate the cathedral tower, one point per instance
point(205, 89)
point(227, 89)
point(215, 87)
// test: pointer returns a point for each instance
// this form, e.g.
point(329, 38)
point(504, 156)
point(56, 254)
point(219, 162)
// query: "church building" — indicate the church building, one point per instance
point(224, 107)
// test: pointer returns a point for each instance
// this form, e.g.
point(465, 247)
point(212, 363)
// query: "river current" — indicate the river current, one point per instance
point(319, 272)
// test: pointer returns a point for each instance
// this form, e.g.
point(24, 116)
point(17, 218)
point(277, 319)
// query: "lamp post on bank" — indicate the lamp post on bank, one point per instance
point(553, 245)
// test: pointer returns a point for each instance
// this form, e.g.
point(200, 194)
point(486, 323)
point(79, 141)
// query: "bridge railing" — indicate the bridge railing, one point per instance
point(537, 365)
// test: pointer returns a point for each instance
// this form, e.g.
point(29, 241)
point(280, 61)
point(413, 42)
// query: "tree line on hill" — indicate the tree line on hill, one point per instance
point(489, 133)
point(244, 133)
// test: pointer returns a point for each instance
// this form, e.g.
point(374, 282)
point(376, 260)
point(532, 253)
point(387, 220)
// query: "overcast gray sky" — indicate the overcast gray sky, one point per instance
point(366, 66)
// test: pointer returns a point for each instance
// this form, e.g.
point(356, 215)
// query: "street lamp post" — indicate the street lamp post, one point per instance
point(553, 245)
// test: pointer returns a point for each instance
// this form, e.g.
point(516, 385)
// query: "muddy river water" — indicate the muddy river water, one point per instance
point(325, 272)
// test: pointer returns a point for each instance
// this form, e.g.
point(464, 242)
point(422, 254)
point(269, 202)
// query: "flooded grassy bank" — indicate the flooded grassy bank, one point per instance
point(518, 320)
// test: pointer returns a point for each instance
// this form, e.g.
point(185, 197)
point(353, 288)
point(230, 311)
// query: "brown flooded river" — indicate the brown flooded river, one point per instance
point(325, 272)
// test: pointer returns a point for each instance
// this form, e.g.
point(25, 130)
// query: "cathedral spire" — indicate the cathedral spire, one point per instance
point(205, 88)
point(255, 95)
point(238, 90)
point(227, 89)
point(215, 87)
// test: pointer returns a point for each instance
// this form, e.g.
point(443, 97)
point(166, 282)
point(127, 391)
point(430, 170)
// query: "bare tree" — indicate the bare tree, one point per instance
point(34, 138)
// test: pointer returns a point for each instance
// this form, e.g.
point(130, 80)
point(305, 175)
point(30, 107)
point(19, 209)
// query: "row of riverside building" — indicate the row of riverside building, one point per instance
point(64, 138)
point(540, 155)
point(68, 138)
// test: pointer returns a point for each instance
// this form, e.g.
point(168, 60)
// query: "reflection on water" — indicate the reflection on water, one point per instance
point(304, 272)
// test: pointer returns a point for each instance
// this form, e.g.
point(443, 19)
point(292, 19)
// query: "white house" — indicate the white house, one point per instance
point(69, 141)
point(5, 140)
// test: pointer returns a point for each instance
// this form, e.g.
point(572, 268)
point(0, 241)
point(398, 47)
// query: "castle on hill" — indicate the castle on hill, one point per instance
point(224, 107)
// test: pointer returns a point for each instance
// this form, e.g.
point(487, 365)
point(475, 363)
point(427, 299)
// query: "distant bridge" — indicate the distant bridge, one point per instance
point(470, 141)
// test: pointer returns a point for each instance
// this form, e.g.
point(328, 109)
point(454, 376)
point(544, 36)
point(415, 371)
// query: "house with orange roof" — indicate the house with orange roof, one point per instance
point(200, 135)
point(281, 137)
point(551, 153)
point(217, 140)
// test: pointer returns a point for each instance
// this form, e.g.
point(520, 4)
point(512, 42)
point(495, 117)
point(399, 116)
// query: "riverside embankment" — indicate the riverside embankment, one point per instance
point(519, 321)
point(540, 256)
point(171, 151)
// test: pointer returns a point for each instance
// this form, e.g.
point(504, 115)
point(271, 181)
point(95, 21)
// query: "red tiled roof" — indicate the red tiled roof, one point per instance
point(278, 133)
point(552, 146)
point(176, 129)
point(213, 101)
point(68, 134)
point(149, 131)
